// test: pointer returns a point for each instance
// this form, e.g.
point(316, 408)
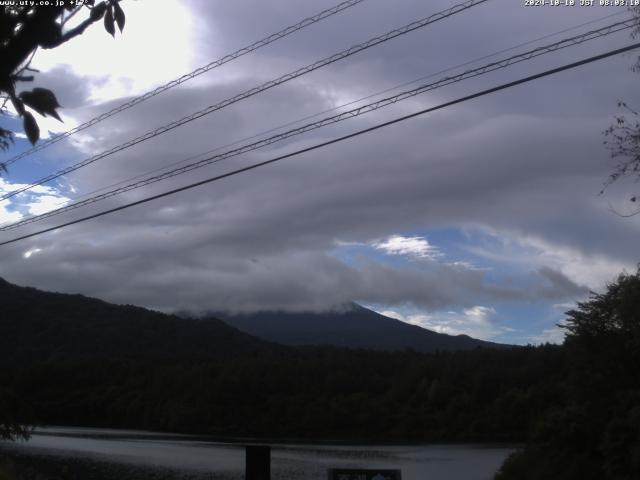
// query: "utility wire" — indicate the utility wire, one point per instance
point(199, 71)
point(338, 107)
point(500, 64)
point(335, 140)
point(265, 86)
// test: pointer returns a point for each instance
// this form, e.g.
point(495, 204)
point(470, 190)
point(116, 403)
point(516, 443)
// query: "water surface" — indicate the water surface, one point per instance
point(201, 457)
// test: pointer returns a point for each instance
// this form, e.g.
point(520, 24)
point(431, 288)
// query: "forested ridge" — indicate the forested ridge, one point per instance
point(575, 407)
point(80, 361)
point(38, 326)
point(313, 393)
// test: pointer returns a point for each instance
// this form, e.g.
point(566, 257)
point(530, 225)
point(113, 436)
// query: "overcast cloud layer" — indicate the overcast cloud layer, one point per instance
point(516, 174)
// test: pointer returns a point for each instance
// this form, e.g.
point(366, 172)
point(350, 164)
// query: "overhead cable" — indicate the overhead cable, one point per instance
point(184, 78)
point(254, 91)
point(343, 105)
point(385, 102)
point(333, 141)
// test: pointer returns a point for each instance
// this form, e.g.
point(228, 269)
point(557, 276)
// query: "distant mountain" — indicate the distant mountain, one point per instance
point(38, 326)
point(355, 327)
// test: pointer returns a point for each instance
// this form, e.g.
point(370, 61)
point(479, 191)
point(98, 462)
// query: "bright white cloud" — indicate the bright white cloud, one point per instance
point(7, 215)
point(411, 246)
point(592, 270)
point(479, 314)
point(39, 199)
point(476, 322)
point(532, 252)
point(156, 46)
point(31, 252)
point(46, 203)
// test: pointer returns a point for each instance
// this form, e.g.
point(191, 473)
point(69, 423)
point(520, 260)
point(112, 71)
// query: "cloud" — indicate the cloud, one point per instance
point(37, 200)
point(145, 54)
point(31, 252)
point(476, 321)
point(549, 335)
point(557, 282)
point(525, 165)
point(7, 215)
point(412, 246)
point(45, 203)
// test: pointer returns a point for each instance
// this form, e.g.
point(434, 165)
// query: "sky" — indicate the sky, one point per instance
point(484, 218)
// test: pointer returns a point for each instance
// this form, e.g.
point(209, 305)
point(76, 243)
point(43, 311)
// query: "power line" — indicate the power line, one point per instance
point(265, 86)
point(500, 64)
point(184, 78)
point(351, 102)
point(335, 140)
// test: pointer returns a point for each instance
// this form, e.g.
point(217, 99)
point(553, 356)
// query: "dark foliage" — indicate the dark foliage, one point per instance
point(37, 327)
point(623, 140)
point(595, 433)
point(14, 414)
point(81, 361)
point(85, 362)
point(27, 26)
point(320, 393)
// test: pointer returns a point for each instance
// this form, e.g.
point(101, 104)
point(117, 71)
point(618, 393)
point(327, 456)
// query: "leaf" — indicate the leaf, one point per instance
point(17, 104)
point(31, 128)
point(109, 24)
point(97, 11)
point(119, 15)
point(42, 101)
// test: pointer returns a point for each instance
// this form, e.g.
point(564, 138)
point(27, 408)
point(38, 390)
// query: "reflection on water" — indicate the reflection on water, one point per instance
point(289, 461)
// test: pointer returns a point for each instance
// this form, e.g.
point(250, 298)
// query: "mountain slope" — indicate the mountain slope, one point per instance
point(357, 327)
point(37, 326)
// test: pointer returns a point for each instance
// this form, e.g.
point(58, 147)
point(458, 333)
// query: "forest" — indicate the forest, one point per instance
point(575, 408)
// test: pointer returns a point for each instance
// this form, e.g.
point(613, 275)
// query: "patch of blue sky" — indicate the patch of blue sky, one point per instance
point(525, 323)
point(456, 245)
point(39, 164)
point(516, 321)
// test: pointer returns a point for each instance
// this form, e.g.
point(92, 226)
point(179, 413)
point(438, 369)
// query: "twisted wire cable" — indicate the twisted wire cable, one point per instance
point(254, 91)
point(351, 102)
point(364, 109)
point(330, 142)
point(184, 78)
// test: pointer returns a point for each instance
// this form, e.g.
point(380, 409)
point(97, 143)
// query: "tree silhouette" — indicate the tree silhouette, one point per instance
point(623, 140)
point(11, 408)
point(595, 432)
point(24, 29)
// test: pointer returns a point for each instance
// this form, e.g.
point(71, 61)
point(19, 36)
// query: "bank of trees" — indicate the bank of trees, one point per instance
point(314, 393)
point(577, 406)
point(594, 433)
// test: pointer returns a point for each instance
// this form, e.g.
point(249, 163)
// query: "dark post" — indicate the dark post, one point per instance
point(257, 462)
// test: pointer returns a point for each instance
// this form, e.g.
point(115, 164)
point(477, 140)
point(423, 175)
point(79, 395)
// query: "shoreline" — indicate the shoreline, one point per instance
point(20, 464)
point(131, 434)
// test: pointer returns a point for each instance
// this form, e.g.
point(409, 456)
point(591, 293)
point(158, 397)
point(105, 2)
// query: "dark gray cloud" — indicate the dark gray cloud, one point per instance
point(526, 164)
point(559, 286)
point(71, 90)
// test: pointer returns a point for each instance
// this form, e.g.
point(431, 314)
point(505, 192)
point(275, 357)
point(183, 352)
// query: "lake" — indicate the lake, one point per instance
point(199, 457)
